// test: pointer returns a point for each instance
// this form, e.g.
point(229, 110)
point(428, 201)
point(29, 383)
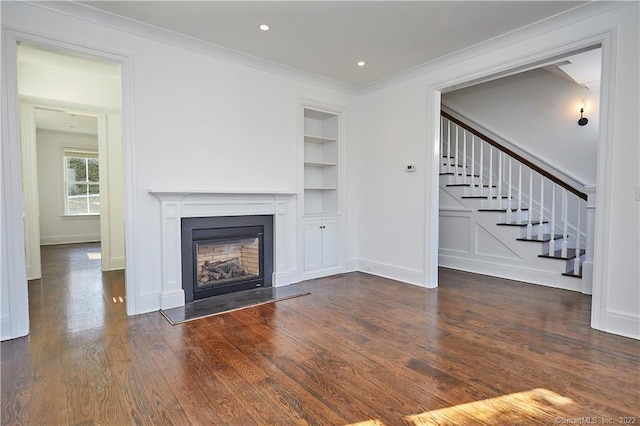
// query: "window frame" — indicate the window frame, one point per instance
point(80, 153)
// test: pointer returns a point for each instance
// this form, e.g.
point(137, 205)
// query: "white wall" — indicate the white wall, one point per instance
point(55, 228)
point(538, 112)
point(192, 121)
point(189, 111)
point(397, 125)
point(392, 134)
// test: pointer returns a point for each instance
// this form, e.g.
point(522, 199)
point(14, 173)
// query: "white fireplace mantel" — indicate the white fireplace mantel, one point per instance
point(176, 204)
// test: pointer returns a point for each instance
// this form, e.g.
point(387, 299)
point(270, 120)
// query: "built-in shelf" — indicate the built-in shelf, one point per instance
point(320, 188)
point(319, 164)
point(318, 139)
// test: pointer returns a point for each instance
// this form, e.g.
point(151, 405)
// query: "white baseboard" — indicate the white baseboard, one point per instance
point(351, 265)
point(149, 302)
point(319, 273)
point(405, 275)
point(5, 328)
point(117, 263)
point(623, 324)
point(69, 239)
point(511, 272)
point(172, 299)
point(281, 279)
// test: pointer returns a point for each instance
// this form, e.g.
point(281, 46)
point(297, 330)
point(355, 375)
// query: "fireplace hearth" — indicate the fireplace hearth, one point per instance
point(224, 254)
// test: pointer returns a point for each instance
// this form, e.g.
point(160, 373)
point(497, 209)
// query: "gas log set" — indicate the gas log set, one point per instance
point(222, 270)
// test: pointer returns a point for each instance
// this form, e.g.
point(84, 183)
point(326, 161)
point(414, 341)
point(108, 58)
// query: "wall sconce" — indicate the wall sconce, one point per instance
point(583, 120)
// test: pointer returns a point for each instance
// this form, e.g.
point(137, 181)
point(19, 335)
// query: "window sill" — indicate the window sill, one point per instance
point(80, 216)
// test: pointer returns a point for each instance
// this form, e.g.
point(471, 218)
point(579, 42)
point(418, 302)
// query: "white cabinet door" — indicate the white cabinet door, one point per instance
point(329, 242)
point(320, 243)
point(312, 244)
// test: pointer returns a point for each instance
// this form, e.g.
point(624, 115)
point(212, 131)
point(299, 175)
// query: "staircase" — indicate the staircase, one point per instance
point(502, 215)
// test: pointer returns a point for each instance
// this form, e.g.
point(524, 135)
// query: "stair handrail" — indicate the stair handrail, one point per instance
point(515, 155)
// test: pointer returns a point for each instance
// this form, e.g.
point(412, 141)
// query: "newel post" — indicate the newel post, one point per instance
point(587, 266)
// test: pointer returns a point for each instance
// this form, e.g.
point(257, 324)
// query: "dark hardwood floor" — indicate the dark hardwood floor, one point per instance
point(359, 348)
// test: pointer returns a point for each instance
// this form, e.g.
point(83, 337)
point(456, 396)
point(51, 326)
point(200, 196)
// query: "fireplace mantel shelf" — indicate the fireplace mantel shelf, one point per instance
point(177, 204)
point(174, 192)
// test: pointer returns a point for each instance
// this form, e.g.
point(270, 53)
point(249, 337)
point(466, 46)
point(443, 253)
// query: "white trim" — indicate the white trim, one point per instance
point(406, 275)
point(17, 323)
point(177, 205)
point(623, 324)
point(518, 35)
point(19, 305)
point(604, 172)
point(69, 239)
point(510, 272)
point(607, 39)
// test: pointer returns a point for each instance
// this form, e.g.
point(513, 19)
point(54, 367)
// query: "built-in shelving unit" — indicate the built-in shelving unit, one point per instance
point(322, 252)
point(321, 162)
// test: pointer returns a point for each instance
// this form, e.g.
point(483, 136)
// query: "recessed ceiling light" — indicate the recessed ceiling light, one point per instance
point(264, 27)
point(361, 63)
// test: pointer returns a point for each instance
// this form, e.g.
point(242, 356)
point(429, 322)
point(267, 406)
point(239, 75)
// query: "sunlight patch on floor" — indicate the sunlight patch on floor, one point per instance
point(367, 423)
point(528, 406)
point(94, 256)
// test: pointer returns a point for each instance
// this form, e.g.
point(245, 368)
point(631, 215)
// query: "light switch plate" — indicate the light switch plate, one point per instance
point(410, 168)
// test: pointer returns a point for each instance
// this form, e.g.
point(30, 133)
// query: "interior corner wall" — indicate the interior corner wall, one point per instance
point(196, 122)
point(397, 128)
point(55, 228)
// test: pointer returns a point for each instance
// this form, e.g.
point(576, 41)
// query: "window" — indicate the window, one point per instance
point(82, 184)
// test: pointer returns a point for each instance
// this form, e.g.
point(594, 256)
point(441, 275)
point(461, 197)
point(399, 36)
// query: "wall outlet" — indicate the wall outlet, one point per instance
point(410, 168)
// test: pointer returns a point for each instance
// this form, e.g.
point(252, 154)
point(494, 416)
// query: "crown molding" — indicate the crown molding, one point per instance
point(107, 19)
point(110, 20)
point(577, 14)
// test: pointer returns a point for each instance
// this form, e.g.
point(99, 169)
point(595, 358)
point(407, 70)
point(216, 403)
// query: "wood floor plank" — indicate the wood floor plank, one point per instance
point(359, 349)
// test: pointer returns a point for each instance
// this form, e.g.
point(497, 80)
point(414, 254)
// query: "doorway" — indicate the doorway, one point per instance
point(72, 156)
point(533, 113)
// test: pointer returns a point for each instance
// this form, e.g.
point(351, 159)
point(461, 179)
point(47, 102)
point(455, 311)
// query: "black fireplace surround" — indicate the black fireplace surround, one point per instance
point(209, 233)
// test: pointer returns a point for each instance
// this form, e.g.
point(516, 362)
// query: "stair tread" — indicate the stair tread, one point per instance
point(535, 222)
point(571, 254)
point(545, 238)
point(485, 185)
point(572, 274)
point(503, 210)
point(459, 174)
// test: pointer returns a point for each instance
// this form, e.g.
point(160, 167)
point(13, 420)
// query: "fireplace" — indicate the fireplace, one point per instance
point(224, 254)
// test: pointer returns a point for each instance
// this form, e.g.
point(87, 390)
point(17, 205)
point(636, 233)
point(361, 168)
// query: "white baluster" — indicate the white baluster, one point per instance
point(565, 216)
point(455, 157)
point(473, 161)
point(552, 231)
point(509, 218)
point(530, 211)
point(464, 157)
point(480, 179)
point(500, 179)
point(576, 261)
point(541, 218)
point(491, 176)
point(441, 141)
point(448, 163)
point(519, 215)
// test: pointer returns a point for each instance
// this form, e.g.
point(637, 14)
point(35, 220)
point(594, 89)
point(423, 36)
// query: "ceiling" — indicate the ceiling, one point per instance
point(327, 38)
point(66, 121)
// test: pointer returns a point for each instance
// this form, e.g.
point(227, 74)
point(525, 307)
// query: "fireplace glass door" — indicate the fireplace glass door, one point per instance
point(221, 262)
